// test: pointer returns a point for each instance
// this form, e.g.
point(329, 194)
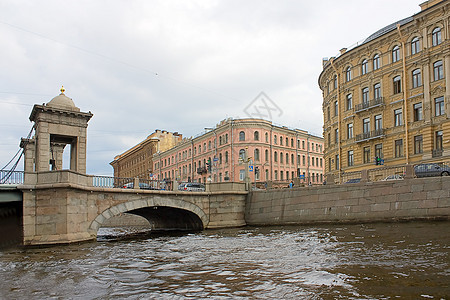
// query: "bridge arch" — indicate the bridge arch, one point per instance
point(137, 206)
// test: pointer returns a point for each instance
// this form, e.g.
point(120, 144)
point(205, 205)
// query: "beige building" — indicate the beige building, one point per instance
point(388, 97)
point(138, 161)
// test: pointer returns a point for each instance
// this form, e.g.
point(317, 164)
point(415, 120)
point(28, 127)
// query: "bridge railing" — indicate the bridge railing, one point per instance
point(11, 177)
point(110, 182)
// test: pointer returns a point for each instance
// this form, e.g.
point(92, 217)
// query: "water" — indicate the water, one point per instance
point(371, 261)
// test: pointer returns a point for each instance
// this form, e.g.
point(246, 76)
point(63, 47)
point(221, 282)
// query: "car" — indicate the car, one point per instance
point(182, 185)
point(142, 186)
point(431, 169)
point(394, 177)
point(194, 187)
point(354, 180)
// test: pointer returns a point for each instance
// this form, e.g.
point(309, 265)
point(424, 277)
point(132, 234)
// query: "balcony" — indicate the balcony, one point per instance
point(437, 152)
point(202, 170)
point(368, 105)
point(379, 133)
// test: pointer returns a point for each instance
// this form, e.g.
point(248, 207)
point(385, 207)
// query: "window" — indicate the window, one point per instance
point(287, 142)
point(209, 145)
point(276, 175)
point(275, 139)
point(439, 136)
point(275, 156)
point(376, 62)
point(398, 148)
point(415, 46)
point(292, 160)
point(366, 155)
point(365, 95)
point(349, 130)
point(226, 157)
point(350, 158)
point(241, 175)
point(397, 81)
point(256, 135)
point(281, 140)
point(336, 136)
point(335, 82)
point(328, 113)
point(439, 106)
point(267, 137)
point(266, 155)
point(241, 154)
point(281, 175)
point(281, 157)
point(366, 125)
point(303, 144)
point(438, 70)
point(226, 138)
point(256, 155)
point(348, 74)
point(418, 112)
point(337, 162)
point(377, 91)
point(303, 160)
point(436, 37)
point(336, 109)
point(398, 117)
point(287, 158)
point(378, 120)
point(292, 143)
point(364, 67)
point(379, 150)
point(395, 54)
point(241, 136)
point(416, 78)
point(349, 102)
point(418, 144)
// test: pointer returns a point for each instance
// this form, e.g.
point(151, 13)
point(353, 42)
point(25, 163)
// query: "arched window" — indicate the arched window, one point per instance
point(292, 159)
point(281, 157)
point(256, 154)
point(241, 136)
point(281, 140)
point(275, 156)
point(376, 62)
point(348, 74)
point(266, 155)
point(242, 154)
point(436, 36)
point(226, 157)
point(335, 82)
point(438, 70)
point(397, 81)
point(287, 158)
point(365, 95)
point(287, 142)
point(220, 158)
point(395, 54)
point(275, 139)
point(267, 137)
point(416, 78)
point(364, 67)
point(209, 145)
point(415, 46)
point(220, 140)
point(256, 135)
point(226, 138)
point(377, 91)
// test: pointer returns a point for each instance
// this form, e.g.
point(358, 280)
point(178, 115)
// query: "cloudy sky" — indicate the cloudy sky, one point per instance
point(141, 65)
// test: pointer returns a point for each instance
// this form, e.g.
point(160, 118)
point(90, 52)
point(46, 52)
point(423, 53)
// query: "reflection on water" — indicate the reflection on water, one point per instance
point(371, 261)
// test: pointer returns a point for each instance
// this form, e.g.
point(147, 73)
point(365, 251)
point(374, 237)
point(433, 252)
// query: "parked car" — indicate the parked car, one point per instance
point(354, 180)
point(432, 169)
point(194, 187)
point(394, 177)
point(142, 186)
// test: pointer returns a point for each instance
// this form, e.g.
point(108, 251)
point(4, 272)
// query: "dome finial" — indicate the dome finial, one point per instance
point(62, 89)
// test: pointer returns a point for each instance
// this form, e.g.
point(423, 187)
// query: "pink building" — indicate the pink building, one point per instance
point(225, 152)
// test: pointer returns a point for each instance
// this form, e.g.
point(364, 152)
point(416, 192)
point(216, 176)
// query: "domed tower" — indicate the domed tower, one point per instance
point(57, 124)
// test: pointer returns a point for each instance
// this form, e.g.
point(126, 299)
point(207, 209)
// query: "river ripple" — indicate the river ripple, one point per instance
point(371, 261)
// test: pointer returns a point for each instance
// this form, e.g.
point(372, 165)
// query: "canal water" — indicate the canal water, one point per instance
point(370, 261)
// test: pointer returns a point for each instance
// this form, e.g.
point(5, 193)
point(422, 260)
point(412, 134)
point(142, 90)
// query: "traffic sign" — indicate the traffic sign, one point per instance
point(301, 176)
point(215, 159)
point(250, 168)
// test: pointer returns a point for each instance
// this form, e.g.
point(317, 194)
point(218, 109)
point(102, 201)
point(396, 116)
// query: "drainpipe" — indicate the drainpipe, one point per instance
point(405, 94)
point(339, 117)
point(231, 151)
point(270, 156)
point(192, 160)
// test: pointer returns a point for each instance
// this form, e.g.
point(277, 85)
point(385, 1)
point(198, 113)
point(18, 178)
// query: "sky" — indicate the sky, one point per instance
point(180, 66)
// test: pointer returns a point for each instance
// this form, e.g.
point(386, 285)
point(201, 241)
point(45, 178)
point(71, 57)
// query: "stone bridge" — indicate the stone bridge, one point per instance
point(64, 207)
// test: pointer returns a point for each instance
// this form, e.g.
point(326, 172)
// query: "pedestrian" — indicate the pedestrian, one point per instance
point(291, 184)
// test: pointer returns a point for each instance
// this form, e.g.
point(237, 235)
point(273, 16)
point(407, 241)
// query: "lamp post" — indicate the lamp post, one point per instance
point(215, 147)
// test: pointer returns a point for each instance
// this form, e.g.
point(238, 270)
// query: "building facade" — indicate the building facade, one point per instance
point(227, 151)
point(387, 99)
point(137, 162)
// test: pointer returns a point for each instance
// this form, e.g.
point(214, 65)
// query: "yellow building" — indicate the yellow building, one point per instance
point(138, 161)
point(364, 90)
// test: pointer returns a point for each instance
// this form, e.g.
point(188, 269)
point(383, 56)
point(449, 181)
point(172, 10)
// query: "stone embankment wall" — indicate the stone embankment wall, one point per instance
point(418, 198)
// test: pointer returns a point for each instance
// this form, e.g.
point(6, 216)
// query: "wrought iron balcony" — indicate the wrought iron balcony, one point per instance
point(374, 134)
point(437, 152)
point(202, 170)
point(369, 104)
